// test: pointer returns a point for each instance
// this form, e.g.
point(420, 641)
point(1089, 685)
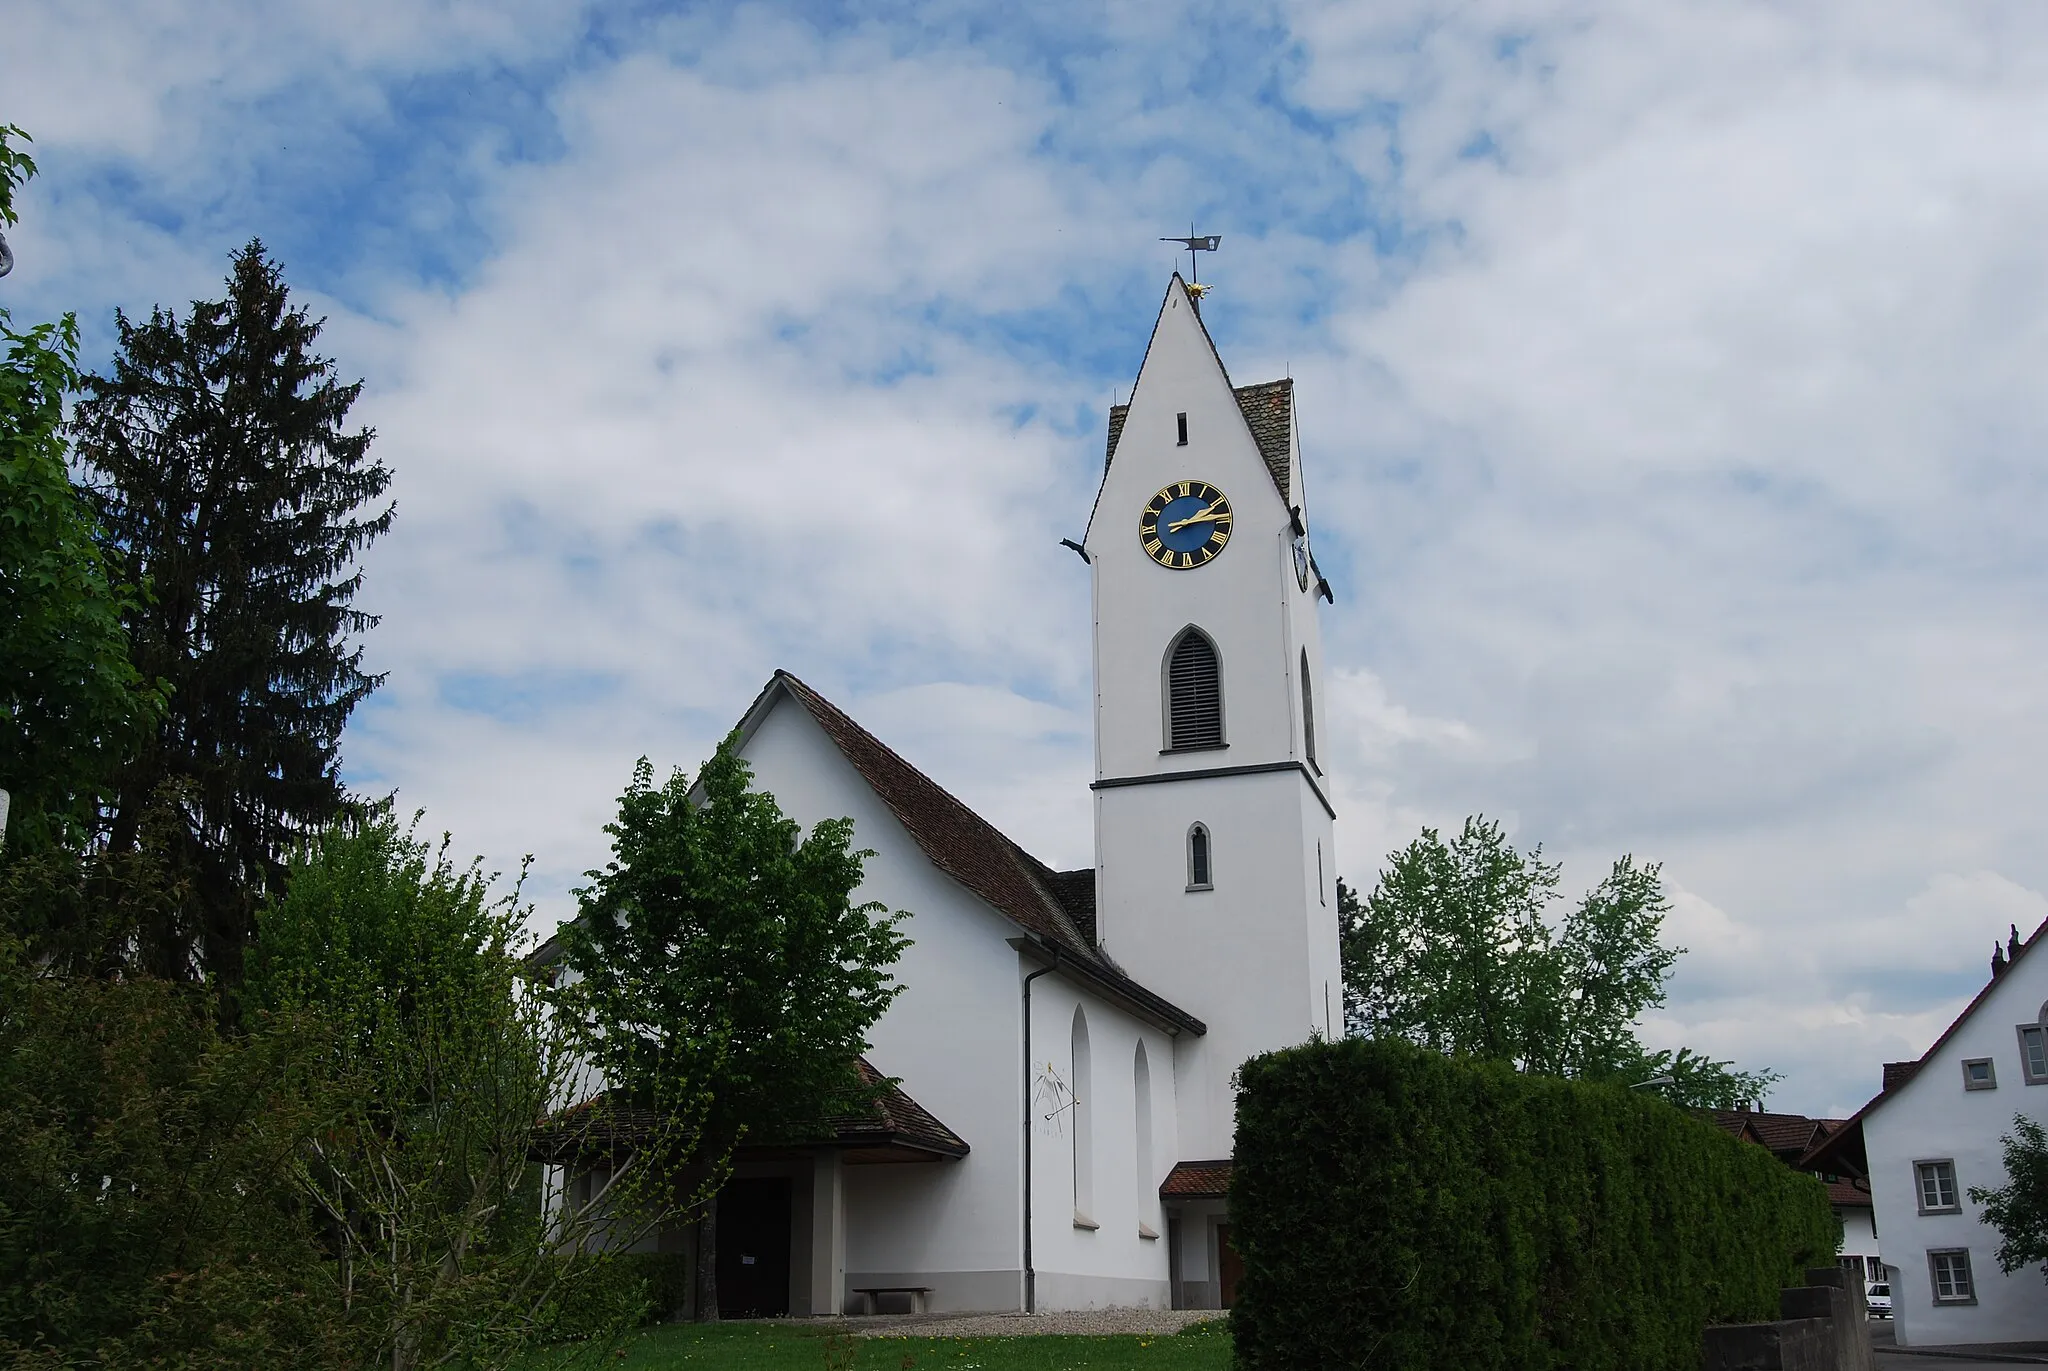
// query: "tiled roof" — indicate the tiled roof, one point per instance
point(1788, 1134)
point(1268, 412)
point(968, 848)
point(1197, 1181)
point(1843, 1147)
point(1075, 890)
point(1849, 1194)
point(895, 1121)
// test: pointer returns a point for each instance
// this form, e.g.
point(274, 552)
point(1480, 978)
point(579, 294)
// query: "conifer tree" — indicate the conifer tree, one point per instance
point(228, 482)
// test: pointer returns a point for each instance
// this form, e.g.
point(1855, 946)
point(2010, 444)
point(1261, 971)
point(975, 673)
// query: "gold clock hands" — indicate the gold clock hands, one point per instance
point(1207, 516)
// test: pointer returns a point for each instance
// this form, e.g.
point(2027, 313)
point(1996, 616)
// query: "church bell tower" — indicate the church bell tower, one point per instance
point(1216, 878)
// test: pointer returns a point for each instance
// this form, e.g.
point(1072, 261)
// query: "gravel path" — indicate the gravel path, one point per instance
point(1085, 1321)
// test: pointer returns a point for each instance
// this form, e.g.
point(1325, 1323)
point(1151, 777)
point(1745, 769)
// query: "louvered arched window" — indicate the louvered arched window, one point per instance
point(1194, 692)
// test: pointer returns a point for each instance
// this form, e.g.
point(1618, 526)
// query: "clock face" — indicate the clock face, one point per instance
point(1185, 525)
point(1301, 559)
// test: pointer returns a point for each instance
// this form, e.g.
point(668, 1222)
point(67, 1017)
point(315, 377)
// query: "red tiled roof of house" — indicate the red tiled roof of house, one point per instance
point(1787, 1134)
point(1847, 1194)
point(1197, 1181)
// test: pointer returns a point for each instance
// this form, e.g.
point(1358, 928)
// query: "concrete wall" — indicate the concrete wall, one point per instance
point(1934, 1118)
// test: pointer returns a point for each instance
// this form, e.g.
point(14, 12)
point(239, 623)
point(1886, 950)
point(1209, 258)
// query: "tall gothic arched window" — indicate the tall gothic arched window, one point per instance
point(1084, 1120)
point(1194, 692)
point(1141, 1094)
point(1308, 712)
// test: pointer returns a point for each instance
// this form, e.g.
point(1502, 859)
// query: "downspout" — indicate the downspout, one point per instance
point(1030, 1271)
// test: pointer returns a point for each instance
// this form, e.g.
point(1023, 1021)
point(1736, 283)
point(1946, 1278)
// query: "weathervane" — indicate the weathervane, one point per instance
point(1195, 243)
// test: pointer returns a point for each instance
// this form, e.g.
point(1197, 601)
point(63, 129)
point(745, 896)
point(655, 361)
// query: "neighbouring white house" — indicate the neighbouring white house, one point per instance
point(1932, 1134)
point(1066, 1040)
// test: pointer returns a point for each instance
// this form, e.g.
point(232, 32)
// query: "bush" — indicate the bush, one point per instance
point(1400, 1209)
point(633, 1289)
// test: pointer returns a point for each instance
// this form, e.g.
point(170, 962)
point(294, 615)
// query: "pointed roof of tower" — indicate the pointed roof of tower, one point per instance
point(1268, 409)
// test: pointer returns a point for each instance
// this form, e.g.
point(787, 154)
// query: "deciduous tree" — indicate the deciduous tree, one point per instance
point(2018, 1210)
point(721, 963)
point(71, 702)
point(1455, 948)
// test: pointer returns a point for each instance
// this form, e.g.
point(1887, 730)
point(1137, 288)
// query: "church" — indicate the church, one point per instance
point(1065, 1040)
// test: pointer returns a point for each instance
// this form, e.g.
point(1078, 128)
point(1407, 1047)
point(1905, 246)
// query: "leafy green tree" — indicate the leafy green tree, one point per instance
point(227, 480)
point(2019, 1208)
point(71, 702)
point(147, 1214)
point(438, 1057)
point(721, 966)
point(1455, 949)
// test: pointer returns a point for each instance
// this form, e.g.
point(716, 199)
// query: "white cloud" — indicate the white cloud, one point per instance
point(1668, 380)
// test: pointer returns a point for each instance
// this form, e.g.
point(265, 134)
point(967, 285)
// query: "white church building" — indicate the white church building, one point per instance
point(1065, 1040)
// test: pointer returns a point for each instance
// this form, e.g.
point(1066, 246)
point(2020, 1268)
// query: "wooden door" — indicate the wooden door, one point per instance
point(753, 1248)
point(1229, 1266)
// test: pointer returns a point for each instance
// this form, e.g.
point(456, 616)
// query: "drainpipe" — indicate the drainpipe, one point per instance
point(1030, 1271)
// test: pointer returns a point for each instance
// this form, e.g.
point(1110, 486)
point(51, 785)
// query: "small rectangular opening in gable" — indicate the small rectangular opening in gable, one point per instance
point(1182, 420)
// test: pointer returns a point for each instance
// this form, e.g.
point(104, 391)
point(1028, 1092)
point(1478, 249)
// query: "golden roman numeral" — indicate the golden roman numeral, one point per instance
point(1185, 487)
point(1152, 546)
point(1187, 559)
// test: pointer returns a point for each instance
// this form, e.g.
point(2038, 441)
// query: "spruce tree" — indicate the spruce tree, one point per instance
point(228, 483)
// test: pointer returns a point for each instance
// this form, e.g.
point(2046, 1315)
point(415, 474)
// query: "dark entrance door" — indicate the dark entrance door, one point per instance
point(1229, 1266)
point(753, 1248)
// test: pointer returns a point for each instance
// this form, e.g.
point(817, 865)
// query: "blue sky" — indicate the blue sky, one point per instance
point(1668, 378)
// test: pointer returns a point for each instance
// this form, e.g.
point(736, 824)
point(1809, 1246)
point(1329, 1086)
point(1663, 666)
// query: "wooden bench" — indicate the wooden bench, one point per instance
point(870, 1301)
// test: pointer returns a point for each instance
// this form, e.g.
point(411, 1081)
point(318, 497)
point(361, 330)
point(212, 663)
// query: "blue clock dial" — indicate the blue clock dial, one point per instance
point(1185, 525)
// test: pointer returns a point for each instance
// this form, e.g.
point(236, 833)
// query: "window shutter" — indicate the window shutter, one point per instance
point(1195, 690)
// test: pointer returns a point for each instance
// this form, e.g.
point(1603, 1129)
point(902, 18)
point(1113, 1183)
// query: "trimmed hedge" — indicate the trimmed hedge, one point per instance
point(1399, 1209)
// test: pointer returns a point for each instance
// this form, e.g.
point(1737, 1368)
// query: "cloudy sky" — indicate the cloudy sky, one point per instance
point(1670, 383)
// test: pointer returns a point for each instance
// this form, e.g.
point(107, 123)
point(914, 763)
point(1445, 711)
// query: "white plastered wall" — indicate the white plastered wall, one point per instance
point(953, 1037)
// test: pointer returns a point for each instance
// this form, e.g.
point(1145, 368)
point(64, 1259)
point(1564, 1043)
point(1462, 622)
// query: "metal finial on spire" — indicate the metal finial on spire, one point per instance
point(1194, 243)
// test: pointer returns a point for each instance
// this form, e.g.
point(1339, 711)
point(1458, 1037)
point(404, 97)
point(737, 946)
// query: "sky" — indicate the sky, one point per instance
point(1669, 381)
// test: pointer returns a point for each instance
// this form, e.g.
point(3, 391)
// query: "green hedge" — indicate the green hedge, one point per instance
point(625, 1289)
point(1399, 1209)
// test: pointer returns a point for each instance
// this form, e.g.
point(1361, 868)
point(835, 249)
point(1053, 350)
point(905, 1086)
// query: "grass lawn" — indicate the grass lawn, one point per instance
point(754, 1347)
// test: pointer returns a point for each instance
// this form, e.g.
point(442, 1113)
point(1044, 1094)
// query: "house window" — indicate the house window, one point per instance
point(1141, 1095)
point(1181, 420)
point(1937, 1187)
point(1948, 1270)
point(1198, 859)
point(1194, 693)
point(1978, 1074)
point(2034, 1054)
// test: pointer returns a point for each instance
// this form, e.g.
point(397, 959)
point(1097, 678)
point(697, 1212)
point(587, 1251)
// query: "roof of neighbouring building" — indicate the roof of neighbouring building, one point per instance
point(1788, 1135)
point(1197, 1181)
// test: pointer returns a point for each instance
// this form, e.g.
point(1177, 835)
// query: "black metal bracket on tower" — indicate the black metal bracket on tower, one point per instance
point(1079, 551)
point(1294, 515)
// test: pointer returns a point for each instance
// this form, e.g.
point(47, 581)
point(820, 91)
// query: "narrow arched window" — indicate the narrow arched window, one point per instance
point(1194, 692)
point(1199, 877)
point(1141, 1093)
point(1308, 712)
point(1084, 1139)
